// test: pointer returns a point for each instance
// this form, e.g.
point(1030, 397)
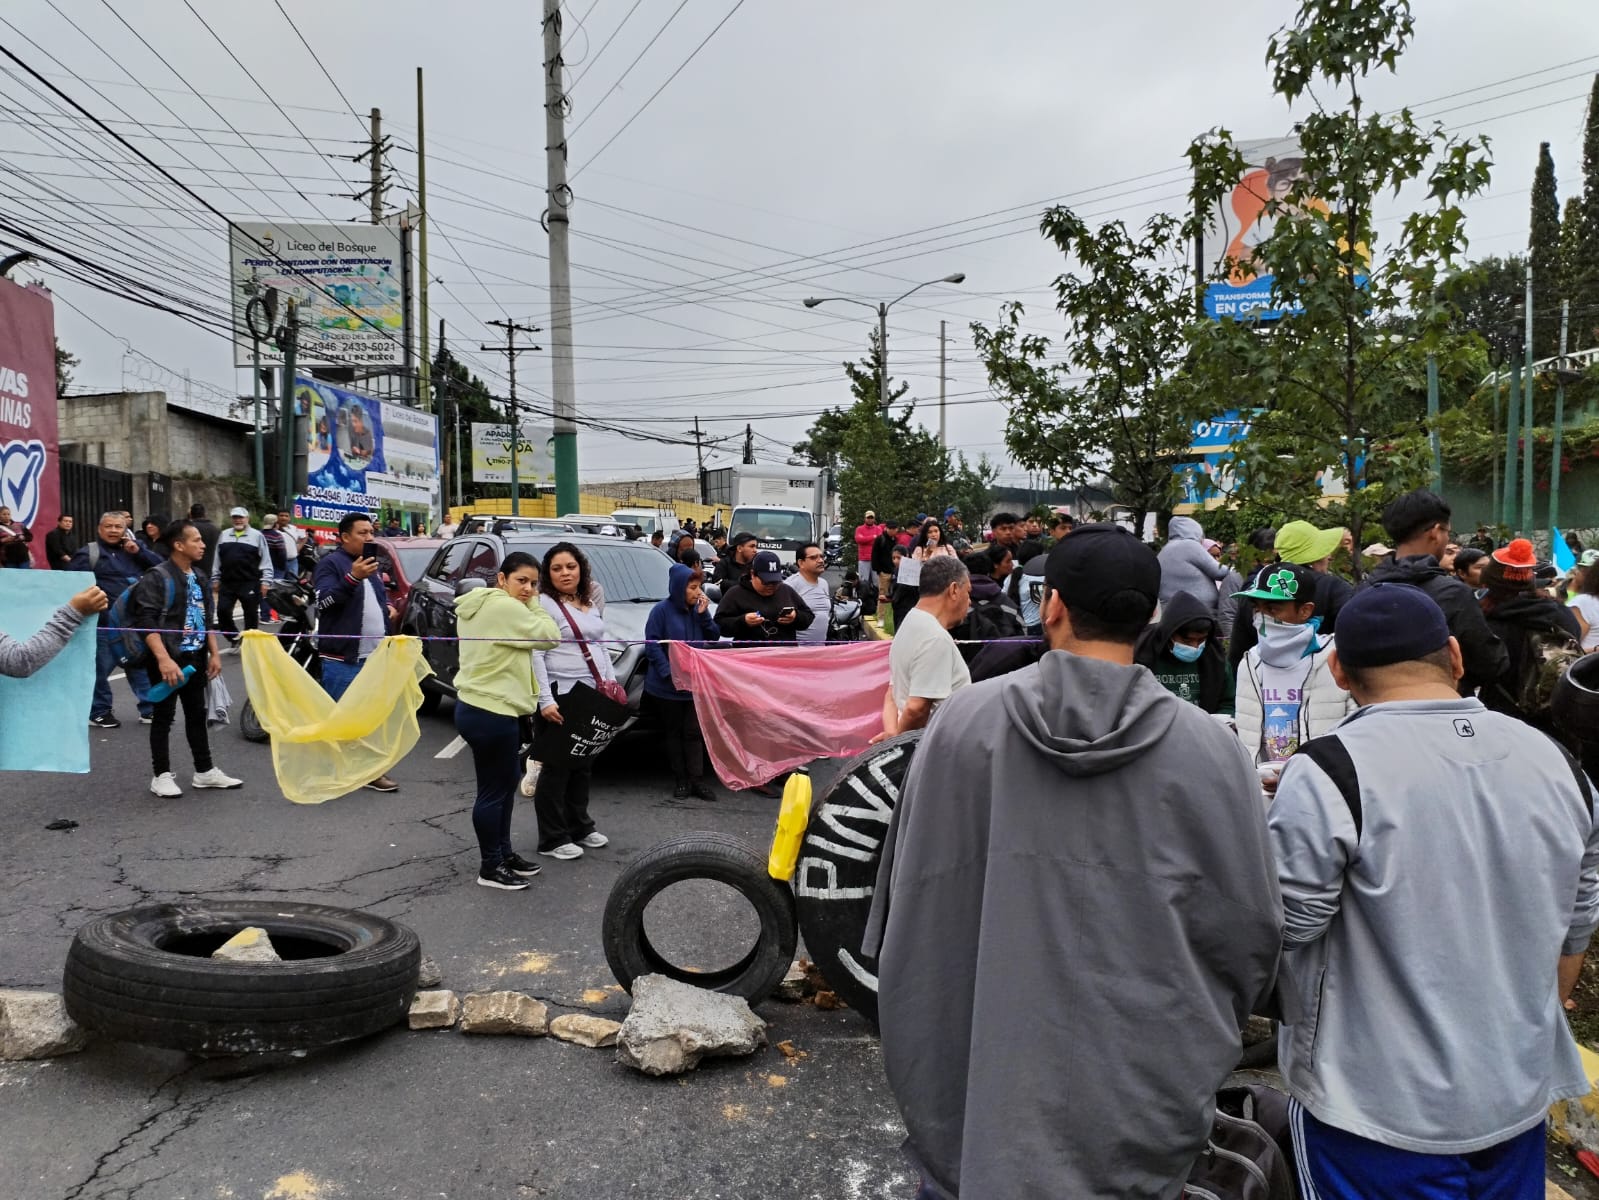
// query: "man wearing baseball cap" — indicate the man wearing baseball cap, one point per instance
point(244, 564)
point(1439, 868)
point(761, 607)
point(1305, 545)
point(865, 534)
point(1076, 856)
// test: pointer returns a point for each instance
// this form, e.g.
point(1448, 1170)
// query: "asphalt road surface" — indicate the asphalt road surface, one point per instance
point(426, 1114)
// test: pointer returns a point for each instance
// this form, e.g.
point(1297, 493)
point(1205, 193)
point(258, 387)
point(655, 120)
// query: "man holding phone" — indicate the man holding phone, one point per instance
point(353, 612)
point(762, 608)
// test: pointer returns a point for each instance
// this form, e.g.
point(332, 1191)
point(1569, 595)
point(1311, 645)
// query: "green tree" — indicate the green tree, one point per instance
point(65, 361)
point(1106, 402)
point(1332, 385)
point(1570, 246)
point(1584, 267)
point(1543, 248)
point(1483, 297)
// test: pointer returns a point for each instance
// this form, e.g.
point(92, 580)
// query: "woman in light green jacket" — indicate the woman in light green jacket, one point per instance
point(494, 689)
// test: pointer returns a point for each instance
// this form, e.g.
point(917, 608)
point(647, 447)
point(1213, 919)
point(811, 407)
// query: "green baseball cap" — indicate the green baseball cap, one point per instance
point(1276, 582)
point(1302, 542)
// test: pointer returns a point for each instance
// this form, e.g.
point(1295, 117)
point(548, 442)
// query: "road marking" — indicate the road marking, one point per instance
point(454, 748)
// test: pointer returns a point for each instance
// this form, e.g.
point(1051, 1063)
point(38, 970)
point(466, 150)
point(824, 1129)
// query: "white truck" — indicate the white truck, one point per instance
point(783, 506)
point(647, 519)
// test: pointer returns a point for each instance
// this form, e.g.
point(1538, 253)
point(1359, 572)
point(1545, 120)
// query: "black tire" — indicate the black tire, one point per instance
point(145, 976)
point(833, 883)
point(1575, 702)
point(250, 725)
point(712, 856)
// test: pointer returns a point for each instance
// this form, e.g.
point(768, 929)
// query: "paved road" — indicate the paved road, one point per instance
point(415, 1115)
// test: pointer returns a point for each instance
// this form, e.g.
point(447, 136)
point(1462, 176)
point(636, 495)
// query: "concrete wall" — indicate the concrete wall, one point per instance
point(138, 432)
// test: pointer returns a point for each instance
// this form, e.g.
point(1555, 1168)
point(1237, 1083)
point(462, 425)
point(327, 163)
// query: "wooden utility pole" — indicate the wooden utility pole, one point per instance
point(557, 207)
point(511, 350)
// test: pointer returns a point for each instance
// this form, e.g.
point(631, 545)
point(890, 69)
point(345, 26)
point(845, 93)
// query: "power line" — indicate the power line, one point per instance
point(629, 68)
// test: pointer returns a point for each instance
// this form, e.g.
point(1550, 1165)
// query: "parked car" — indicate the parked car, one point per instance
point(501, 525)
point(404, 559)
point(589, 523)
point(632, 575)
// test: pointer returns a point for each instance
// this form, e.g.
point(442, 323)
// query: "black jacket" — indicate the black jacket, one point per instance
point(1155, 643)
point(741, 599)
point(59, 547)
point(990, 619)
point(340, 605)
point(883, 551)
point(1484, 654)
point(161, 601)
point(1330, 594)
point(211, 535)
point(1001, 658)
point(1513, 621)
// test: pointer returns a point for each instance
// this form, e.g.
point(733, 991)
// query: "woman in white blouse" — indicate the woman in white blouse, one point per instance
point(561, 799)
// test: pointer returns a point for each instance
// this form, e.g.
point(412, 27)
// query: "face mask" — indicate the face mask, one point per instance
point(1183, 652)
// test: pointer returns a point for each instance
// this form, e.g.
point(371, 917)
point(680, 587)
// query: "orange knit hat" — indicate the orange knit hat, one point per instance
point(1518, 561)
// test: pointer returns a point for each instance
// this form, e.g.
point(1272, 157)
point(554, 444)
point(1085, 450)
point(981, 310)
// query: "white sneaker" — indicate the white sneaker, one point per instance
point(214, 778)
point(594, 840)
point(530, 781)
point(565, 850)
point(165, 786)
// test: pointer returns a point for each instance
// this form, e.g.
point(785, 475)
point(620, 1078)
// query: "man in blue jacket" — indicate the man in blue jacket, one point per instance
point(116, 562)
point(353, 613)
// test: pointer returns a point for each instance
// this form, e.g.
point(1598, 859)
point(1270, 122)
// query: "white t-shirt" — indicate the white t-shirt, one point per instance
point(924, 661)
point(372, 621)
point(1588, 606)
point(819, 600)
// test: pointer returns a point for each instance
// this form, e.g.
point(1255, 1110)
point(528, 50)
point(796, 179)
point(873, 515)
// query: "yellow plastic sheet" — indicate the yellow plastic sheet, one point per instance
point(321, 749)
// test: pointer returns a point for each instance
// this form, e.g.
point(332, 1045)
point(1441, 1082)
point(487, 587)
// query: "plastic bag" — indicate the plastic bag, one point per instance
point(321, 749)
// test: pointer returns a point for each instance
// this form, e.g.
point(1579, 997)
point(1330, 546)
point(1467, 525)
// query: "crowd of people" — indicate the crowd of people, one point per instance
point(1337, 801)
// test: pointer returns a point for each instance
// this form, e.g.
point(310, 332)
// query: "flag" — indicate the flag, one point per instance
point(1565, 560)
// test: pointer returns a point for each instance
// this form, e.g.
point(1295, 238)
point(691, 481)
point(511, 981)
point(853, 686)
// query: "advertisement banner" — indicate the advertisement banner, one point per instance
point(364, 455)
point(1206, 470)
point(30, 455)
point(346, 279)
point(1239, 223)
point(535, 456)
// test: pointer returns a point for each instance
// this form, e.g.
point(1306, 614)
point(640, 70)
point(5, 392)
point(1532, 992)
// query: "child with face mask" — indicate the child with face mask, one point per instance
point(1286, 691)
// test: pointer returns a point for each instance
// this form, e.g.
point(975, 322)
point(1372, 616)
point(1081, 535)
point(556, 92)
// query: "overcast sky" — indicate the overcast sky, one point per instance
point(823, 148)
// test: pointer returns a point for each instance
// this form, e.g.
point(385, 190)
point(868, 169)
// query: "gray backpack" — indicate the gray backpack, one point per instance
point(1248, 1155)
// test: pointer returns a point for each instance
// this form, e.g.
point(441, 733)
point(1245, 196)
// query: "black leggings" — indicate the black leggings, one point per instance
point(680, 730)
point(192, 695)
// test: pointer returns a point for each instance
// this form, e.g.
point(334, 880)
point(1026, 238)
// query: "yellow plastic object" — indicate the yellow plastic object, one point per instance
point(321, 749)
point(792, 818)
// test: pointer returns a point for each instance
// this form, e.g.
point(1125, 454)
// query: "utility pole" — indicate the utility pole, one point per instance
point(558, 202)
point(749, 445)
point(882, 360)
point(375, 153)
point(511, 350)
point(699, 458)
point(943, 439)
point(1432, 423)
point(289, 346)
point(1526, 418)
point(1560, 420)
point(1513, 438)
point(450, 412)
point(425, 388)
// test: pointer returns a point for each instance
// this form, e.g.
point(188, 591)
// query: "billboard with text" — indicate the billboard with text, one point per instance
point(535, 456)
point(30, 454)
point(364, 454)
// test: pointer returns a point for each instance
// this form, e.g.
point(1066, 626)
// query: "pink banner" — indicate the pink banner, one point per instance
point(768, 710)
point(30, 465)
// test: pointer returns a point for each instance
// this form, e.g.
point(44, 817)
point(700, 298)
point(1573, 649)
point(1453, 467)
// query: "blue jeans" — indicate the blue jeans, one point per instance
point(338, 675)
point(107, 651)
point(495, 741)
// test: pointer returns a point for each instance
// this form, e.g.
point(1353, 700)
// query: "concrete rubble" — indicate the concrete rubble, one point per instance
point(428, 974)
point(585, 1030)
point(434, 1010)
point(672, 1026)
point(504, 1012)
point(36, 1025)
point(250, 944)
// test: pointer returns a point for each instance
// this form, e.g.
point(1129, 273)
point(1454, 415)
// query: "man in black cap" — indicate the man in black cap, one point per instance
point(735, 562)
point(1439, 867)
point(1076, 856)
point(1418, 523)
point(761, 607)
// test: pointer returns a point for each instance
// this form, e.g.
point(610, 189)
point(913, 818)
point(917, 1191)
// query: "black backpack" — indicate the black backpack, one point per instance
point(134, 650)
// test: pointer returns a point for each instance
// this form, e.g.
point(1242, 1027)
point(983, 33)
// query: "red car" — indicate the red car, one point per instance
point(404, 560)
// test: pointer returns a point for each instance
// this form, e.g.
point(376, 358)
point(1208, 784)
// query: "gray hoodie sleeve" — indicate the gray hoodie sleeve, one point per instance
point(1585, 911)
point(21, 659)
point(1314, 840)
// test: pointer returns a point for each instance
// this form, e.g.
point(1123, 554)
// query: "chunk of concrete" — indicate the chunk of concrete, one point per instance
point(250, 944)
point(672, 1026)
point(434, 1010)
point(36, 1025)
point(428, 974)
point(1575, 1123)
point(585, 1030)
point(793, 987)
point(504, 1012)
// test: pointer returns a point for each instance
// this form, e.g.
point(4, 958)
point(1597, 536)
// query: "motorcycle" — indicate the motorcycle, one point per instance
point(846, 622)
point(295, 602)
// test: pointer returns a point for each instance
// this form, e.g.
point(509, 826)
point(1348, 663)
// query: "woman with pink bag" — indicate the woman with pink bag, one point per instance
point(579, 660)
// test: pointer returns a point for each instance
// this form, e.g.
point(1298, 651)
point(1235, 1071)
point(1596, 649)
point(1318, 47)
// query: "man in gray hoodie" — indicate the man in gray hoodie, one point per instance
point(1076, 906)
point(1440, 880)
point(1186, 566)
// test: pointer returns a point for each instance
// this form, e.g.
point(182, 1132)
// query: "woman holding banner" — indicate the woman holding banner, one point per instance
point(581, 705)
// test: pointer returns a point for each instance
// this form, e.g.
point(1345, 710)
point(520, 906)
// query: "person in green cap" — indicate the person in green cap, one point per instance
point(1286, 693)
point(1301, 543)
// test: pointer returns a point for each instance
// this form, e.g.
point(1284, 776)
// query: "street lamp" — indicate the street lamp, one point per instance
point(882, 328)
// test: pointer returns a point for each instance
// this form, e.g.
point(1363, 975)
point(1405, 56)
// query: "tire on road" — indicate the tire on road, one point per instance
point(250, 725)
point(722, 859)
point(837, 870)
point(145, 975)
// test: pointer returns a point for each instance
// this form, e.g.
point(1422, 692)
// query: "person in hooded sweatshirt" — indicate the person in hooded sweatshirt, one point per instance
point(1076, 927)
point(1286, 690)
point(1186, 657)
point(684, 616)
point(1186, 566)
point(495, 690)
point(1517, 613)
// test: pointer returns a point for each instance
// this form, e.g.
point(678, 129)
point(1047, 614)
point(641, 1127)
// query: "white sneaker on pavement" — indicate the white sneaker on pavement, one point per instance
point(165, 786)
point(530, 781)
point(564, 850)
point(214, 778)
point(593, 840)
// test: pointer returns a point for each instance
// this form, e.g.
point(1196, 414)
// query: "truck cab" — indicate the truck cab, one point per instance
point(778, 529)
point(647, 519)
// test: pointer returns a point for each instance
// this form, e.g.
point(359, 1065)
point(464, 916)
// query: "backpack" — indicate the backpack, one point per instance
point(1248, 1155)
point(134, 650)
point(1545, 655)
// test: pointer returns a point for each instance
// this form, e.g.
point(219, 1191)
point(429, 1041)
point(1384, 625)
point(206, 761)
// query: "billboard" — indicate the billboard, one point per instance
point(30, 453)
point(346, 279)
point(535, 457)
point(1239, 223)
point(1206, 471)
point(364, 455)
